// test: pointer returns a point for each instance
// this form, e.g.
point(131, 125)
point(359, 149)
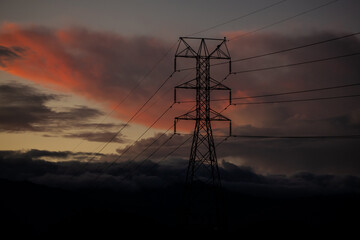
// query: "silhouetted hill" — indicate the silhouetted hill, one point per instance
point(29, 209)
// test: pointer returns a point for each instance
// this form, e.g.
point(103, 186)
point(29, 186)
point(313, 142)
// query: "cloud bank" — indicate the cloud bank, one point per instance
point(29, 166)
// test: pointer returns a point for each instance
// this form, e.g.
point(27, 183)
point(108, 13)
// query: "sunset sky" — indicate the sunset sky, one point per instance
point(72, 74)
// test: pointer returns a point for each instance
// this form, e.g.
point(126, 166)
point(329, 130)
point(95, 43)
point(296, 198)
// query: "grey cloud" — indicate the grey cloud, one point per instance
point(98, 136)
point(7, 54)
point(270, 156)
point(124, 176)
point(24, 108)
point(288, 156)
point(159, 148)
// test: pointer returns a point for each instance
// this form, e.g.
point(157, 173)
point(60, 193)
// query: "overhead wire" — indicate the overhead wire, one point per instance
point(152, 143)
point(282, 93)
point(131, 91)
point(291, 48)
point(127, 149)
point(155, 164)
point(237, 18)
point(284, 20)
point(355, 136)
point(297, 64)
point(297, 100)
point(280, 51)
point(133, 160)
point(145, 159)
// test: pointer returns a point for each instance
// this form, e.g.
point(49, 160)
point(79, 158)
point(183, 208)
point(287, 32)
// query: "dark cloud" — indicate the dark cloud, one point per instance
point(158, 146)
point(146, 174)
point(288, 156)
point(99, 125)
point(35, 154)
point(7, 54)
point(98, 136)
point(24, 108)
point(265, 156)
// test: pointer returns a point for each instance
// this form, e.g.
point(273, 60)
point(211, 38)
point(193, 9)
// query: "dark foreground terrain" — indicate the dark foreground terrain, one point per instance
point(32, 210)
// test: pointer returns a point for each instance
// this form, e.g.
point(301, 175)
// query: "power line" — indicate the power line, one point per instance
point(297, 100)
point(275, 23)
point(133, 160)
point(126, 150)
point(291, 49)
point(284, 20)
point(152, 143)
point(280, 51)
point(145, 159)
point(157, 149)
point(175, 149)
point(94, 154)
point(300, 137)
point(137, 112)
point(297, 92)
point(131, 91)
point(237, 18)
point(297, 64)
point(282, 93)
point(166, 156)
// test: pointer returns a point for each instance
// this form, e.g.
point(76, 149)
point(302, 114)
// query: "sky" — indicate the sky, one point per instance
point(73, 73)
point(87, 142)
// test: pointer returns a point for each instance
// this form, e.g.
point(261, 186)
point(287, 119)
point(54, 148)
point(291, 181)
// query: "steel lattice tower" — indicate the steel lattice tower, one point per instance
point(202, 200)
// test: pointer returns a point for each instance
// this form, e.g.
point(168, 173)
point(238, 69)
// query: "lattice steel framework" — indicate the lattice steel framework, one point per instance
point(202, 200)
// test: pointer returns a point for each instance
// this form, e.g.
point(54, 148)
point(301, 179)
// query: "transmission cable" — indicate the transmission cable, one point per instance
point(130, 92)
point(284, 20)
point(153, 142)
point(280, 94)
point(237, 18)
point(297, 64)
point(290, 49)
point(279, 51)
point(137, 112)
point(297, 100)
point(171, 152)
point(355, 136)
point(142, 162)
point(127, 149)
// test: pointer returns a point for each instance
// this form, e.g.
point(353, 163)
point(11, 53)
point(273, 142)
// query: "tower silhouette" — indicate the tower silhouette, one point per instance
point(203, 203)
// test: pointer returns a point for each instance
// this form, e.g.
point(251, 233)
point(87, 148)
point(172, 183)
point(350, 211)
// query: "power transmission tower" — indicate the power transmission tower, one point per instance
point(203, 203)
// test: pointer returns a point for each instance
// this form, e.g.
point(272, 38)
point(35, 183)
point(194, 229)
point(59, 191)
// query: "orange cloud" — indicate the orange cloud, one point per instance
point(100, 66)
point(105, 67)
